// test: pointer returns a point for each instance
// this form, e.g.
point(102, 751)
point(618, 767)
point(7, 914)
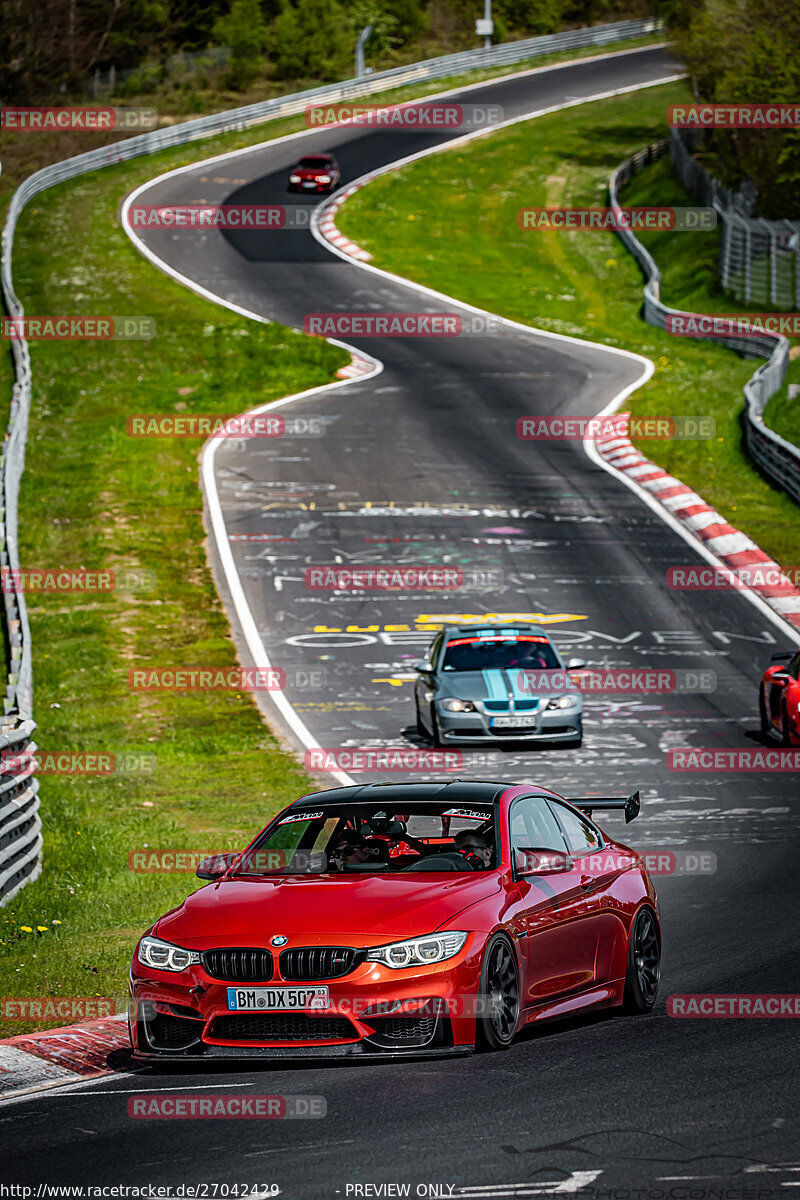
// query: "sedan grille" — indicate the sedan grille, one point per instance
point(239, 965)
point(319, 962)
point(282, 1027)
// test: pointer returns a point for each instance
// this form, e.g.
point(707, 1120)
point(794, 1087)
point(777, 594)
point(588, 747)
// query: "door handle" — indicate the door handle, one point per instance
point(587, 881)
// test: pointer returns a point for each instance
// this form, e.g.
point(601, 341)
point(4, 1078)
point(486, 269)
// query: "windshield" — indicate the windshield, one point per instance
point(499, 652)
point(340, 839)
point(314, 162)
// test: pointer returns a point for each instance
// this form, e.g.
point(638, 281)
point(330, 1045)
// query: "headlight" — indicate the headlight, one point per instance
point(294, 179)
point(563, 702)
point(458, 706)
point(417, 952)
point(153, 952)
point(323, 179)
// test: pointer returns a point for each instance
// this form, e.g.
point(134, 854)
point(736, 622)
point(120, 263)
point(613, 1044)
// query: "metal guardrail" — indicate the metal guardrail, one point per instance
point(759, 259)
point(777, 458)
point(20, 827)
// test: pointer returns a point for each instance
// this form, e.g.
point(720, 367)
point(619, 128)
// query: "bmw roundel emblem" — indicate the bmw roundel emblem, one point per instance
point(278, 940)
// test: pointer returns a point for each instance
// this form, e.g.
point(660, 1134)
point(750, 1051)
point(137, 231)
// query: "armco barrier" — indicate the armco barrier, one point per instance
point(20, 828)
point(777, 458)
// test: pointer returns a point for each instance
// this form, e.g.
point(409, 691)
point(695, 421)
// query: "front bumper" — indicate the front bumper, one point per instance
point(374, 1012)
point(557, 725)
point(318, 188)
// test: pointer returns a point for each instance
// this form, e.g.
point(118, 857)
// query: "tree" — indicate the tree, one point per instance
point(384, 34)
point(313, 40)
point(746, 51)
point(530, 17)
point(245, 32)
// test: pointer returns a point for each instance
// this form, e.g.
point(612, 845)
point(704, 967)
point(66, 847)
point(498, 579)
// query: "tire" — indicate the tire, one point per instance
point(421, 730)
point(786, 729)
point(644, 963)
point(762, 712)
point(434, 735)
point(499, 999)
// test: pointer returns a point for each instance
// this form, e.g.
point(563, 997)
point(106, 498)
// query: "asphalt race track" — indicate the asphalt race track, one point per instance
point(420, 464)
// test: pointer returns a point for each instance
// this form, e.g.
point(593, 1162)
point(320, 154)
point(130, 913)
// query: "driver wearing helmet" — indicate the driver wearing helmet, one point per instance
point(475, 848)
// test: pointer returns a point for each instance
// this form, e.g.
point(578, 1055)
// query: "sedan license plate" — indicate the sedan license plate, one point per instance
point(512, 723)
point(309, 183)
point(276, 999)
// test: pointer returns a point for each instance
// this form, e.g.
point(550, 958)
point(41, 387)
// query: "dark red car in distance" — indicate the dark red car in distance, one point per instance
point(315, 173)
point(779, 699)
point(400, 919)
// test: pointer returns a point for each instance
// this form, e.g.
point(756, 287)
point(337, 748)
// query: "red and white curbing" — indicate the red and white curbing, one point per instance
point(733, 547)
point(356, 367)
point(327, 226)
point(31, 1061)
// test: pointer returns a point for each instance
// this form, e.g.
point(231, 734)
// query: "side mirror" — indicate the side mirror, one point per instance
point(529, 861)
point(215, 866)
point(423, 666)
point(573, 664)
point(781, 677)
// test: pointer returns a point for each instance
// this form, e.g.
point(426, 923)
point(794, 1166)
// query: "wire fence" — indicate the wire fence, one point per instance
point(20, 827)
point(778, 459)
point(759, 259)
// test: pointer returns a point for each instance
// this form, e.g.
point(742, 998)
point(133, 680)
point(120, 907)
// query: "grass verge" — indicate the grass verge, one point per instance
point(582, 284)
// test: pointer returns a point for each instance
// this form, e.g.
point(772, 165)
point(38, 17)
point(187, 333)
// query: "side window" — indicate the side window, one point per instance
point(533, 826)
point(582, 838)
point(433, 653)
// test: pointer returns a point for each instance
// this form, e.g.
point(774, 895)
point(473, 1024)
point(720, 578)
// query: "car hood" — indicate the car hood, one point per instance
point(498, 684)
point(320, 910)
point(311, 172)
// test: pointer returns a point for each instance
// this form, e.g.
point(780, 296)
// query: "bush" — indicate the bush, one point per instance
point(245, 31)
point(313, 39)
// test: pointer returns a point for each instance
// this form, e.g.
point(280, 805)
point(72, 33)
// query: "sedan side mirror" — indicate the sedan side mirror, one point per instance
point(573, 664)
point(528, 861)
point(215, 866)
point(423, 666)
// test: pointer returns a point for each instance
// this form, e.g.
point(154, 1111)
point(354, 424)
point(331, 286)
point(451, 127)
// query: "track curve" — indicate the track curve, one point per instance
point(421, 460)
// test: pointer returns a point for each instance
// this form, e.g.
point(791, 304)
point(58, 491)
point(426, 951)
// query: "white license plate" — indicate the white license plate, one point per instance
point(309, 183)
point(512, 723)
point(276, 999)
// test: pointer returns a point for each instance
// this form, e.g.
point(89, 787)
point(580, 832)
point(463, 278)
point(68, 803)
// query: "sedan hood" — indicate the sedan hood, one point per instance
point(369, 909)
point(497, 684)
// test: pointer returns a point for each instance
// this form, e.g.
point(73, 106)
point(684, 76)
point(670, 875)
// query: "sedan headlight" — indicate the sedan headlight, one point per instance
point(294, 179)
point(153, 952)
point(417, 952)
point(454, 705)
point(563, 702)
point(323, 179)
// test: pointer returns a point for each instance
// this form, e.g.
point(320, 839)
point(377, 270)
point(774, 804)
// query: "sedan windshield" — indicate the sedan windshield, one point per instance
point(493, 653)
point(314, 162)
point(352, 839)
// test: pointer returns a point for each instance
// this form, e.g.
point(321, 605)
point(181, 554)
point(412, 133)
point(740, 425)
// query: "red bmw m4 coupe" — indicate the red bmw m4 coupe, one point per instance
point(397, 919)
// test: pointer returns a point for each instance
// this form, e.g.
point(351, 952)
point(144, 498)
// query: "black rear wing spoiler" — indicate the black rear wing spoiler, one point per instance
point(630, 805)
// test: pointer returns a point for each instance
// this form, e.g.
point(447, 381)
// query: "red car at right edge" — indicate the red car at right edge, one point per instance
point(779, 699)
